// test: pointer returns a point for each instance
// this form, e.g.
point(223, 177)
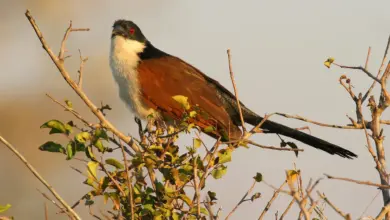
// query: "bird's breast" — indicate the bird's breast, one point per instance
point(124, 61)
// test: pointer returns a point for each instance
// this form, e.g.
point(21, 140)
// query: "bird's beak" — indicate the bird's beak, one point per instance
point(117, 31)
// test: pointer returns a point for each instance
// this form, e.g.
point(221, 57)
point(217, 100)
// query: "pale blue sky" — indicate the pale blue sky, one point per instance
point(278, 49)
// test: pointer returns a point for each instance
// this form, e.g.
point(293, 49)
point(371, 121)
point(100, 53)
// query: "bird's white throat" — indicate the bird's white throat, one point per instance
point(124, 60)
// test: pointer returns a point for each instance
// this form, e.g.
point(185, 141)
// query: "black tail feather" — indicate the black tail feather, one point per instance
point(315, 142)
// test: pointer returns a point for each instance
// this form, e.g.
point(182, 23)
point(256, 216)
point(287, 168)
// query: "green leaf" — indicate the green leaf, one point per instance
point(70, 150)
point(99, 145)
point(68, 103)
point(175, 216)
point(80, 147)
point(258, 177)
point(83, 137)
point(156, 147)
point(89, 153)
point(92, 169)
point(293, 146)
point(51, 146)
point(183, 101)
point(197, 142)
point(225, 155)
point(185, 198)
point(255, 196)
point(212, 195)
point(209, 129)
point(100, 133)
point(69, 127)
point(218, 172)
point(113, 162)
point(194, 210)
point(56, 127)
point(4, 208)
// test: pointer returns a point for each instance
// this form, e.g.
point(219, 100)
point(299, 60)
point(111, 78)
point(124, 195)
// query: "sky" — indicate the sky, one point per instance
point(278, 49)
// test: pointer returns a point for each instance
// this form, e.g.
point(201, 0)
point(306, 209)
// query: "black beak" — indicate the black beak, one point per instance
point(117, 31)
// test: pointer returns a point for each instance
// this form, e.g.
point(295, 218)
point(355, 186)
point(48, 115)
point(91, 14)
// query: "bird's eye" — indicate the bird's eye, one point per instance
point(132, 31)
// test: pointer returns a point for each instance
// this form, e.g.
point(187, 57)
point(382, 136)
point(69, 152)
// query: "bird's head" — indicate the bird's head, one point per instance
point(128, 30)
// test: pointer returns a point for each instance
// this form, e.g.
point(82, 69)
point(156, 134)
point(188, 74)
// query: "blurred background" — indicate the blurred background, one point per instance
point(278, 50)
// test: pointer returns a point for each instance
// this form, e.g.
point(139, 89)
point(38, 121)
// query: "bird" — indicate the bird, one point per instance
point(148, 79)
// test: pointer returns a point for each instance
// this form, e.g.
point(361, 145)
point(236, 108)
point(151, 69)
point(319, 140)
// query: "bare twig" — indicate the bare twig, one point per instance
point(287, 209)
point(359, 68)
point(196, 186)
point(242, 200)
point(40, 178)
point(318, 123)
point(82, 62)
point(112, 179)
point(385, 210)
point(379, 71)
point(235, 90)
point(266, 208)
point(60, 66)
point(46, 212)
point(273, 148)
point(335, 208)
point(128, 180)
point(367, 58)
point(368, 183)
point(55, 203)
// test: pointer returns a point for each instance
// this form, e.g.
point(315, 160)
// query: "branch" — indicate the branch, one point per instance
point(287, 209)
point(128, 180)
point(60, 66)
point(379, 71)
point(243, 199)
point(383, 212)
point(368, 183)
point(359, 68)
point(235, 90)
point(273, 148)
point(341, 213)
point(276, 193)
point(40, 178)
point(318, 123)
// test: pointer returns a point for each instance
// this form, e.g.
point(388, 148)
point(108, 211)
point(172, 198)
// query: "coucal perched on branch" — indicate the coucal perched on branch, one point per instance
point(149, 78)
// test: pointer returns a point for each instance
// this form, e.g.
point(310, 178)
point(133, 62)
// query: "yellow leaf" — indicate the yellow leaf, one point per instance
point(329, 62)
point(291, 176)
point(182, 100)
point(192, 114)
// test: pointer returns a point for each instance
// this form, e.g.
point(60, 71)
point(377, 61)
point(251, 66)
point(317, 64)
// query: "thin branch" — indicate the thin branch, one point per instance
point(55, 203)
point(367, 58)
point(266, 208)
point(46, 212)
point(385, 210)
point(40, 178)
point(379, 71)
point(112, 179)
point(235, 90)
point(318, 123)
point(60, 66)
point(335, 208)
point(287, 209)
point(128, 180)
point(243, 199)
point(273, 148)
point(368, 183)
point(196, 186)
point(359, 68)
point(82, 62)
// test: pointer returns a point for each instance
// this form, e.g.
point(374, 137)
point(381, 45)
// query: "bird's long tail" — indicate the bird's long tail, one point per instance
point(315, 142)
